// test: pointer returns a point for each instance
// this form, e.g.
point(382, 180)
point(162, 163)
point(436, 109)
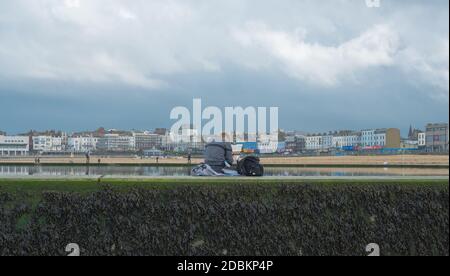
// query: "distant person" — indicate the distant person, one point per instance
point(189, 158)
point(219, 155)
point(99, 161)
point(157, 159)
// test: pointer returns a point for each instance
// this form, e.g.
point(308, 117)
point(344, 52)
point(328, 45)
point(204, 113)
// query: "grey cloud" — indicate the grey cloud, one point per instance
point(140, 42)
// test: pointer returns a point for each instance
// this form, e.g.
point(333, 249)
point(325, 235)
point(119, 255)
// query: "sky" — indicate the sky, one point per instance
point(331, 64)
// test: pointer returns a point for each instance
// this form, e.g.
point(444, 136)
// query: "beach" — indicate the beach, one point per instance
point(376, 160)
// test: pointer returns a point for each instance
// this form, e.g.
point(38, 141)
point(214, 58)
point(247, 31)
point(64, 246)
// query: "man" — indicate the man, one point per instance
point(219, 156)
point(189, 158)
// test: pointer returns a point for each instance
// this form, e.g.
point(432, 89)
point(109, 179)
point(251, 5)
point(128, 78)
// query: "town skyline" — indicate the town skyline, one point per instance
point(404, 131)
point(433, 139)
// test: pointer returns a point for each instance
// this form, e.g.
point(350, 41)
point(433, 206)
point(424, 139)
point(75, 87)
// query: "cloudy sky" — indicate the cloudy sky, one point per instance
point(337, 64)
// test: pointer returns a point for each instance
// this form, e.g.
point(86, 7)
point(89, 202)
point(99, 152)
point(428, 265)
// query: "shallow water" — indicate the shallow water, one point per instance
point(58, 171)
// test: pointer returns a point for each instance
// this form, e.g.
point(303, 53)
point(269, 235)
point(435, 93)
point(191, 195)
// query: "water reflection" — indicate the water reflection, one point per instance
point(185, 171)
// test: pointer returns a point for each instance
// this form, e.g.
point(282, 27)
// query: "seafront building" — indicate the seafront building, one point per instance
point(422, 140)
point(14, 145)
point(295, 143)
point(82, 144)
point(384, 138)
point(47, 144)
point(313, 142)
point(437, 137)
point(147, 140)
point(347, 140)
point(270, 147)
point(319, 142)
point(116, 143)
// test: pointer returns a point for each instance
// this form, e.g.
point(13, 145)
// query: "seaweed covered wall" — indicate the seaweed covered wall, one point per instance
point(300, 219)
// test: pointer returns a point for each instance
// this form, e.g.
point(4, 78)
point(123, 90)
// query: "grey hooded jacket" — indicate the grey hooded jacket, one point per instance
point(216, 154)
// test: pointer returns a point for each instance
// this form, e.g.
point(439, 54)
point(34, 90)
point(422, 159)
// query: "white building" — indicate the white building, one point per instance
point(319, 142)
point(186, 134)
point(373, 137)
point(82, 144)
point(14, 145)
point(147, 140)
point(313, 142)
point(47, 144)
point(352, 140)
point(115, 142)
point(268, 147)
point(386, 138)
point(327, 142)
point(166, 142)
point(187, 139)
point(422, 139)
